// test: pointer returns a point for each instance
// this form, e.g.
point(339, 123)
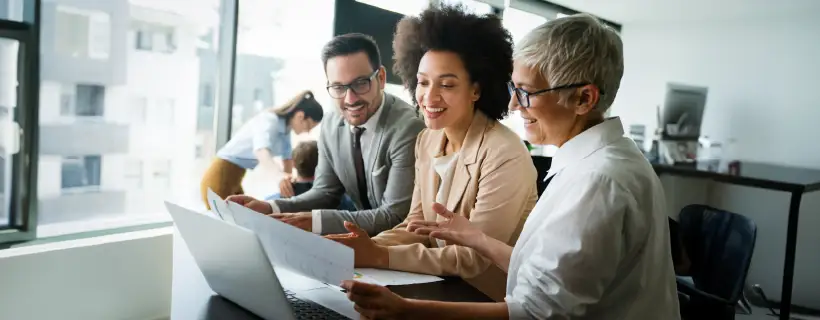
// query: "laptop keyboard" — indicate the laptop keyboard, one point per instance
point(307, 310)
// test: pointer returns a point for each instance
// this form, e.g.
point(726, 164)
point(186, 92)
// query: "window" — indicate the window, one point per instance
point(207, 97)
point(139, 107)
point(82, 33)
point(474, 5)
point(263, 63)
point(154, 37)
point(11, 10)
point(8, 96)
point(82, 100)
point(17, 60)
point(90, 101)
point(405, 7)
point(133, 174)
point(81, 172)
point(120, 168)
point(519, 23)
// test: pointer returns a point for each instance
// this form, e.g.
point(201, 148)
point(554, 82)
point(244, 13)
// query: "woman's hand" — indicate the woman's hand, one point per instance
point(376, 302)
point(367, 254)
point(455, 229)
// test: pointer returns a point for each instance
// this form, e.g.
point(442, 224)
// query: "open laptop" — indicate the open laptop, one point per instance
point(236, 267)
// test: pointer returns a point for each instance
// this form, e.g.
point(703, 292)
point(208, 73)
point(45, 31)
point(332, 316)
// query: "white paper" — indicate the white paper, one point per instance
point(392, 278)
point(220, 207)
point(297, 250)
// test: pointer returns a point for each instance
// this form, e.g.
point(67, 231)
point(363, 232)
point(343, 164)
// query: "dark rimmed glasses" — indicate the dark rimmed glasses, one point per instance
point(523, 96)
point(359, 86)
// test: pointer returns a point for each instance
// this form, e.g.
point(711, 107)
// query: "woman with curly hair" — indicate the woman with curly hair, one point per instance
point(456, 65)
point(596, 246)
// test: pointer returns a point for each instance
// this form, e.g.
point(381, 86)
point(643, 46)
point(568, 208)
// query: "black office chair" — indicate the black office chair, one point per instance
point(542, 166)
point(719, 245)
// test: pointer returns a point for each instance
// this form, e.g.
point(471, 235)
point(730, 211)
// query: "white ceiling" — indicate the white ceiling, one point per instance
point(627, 11)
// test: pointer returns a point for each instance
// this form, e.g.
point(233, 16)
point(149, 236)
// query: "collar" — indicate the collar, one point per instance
point(370, 125)
point(586, 143)
point(472, 140)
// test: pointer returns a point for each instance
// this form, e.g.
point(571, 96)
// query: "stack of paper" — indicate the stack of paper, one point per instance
point(306, 253)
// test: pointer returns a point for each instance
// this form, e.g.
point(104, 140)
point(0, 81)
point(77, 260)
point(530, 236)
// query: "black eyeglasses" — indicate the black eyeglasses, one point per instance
point(523, 96)
point(359, 86)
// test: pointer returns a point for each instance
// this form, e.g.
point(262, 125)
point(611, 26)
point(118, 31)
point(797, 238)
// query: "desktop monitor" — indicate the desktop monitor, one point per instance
point(682, 112)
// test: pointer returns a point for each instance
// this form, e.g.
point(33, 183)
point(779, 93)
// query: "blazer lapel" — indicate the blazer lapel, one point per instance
point(347, 174)
point(467, 158)
point(378, 135)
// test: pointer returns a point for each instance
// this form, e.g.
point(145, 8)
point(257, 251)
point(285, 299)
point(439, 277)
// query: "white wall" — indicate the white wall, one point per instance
point(124, 276)
point(763, 78)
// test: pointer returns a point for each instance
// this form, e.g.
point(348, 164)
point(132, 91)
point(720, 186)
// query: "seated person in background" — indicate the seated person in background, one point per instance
point(305, 158)
point(596, 246)
point(365, 149)
point(256, 143)
point(456, 65)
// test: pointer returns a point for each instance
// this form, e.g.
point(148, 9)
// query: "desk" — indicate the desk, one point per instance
point(192, 298)
point(796, 181)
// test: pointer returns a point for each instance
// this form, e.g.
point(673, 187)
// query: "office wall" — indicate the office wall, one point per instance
point(763, 78)
point(124, 276)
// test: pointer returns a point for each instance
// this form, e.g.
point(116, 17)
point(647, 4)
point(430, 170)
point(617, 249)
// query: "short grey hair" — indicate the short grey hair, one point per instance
point(575, 49)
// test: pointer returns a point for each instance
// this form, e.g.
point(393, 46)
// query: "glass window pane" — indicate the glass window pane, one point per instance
point(11, 10)
point(519, 23)
point(473, 5)
point(145, 97)
point(8, 101)
point(268, 73)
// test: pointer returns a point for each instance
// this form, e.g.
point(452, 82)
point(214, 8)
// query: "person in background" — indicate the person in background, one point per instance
point(258, 141)
point(305, 159)
point(456, 65)
point(366, 150)
point(596, 246)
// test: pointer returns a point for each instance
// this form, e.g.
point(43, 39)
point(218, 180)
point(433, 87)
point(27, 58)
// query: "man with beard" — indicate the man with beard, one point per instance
point(366, 150)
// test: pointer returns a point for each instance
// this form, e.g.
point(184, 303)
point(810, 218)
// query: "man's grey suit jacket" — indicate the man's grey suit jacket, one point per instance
point(390, 171)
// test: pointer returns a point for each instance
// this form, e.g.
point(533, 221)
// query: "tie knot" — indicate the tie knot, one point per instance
point(357, 131)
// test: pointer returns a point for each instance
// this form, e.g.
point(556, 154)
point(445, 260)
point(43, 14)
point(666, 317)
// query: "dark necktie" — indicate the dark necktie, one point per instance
point(358, 161)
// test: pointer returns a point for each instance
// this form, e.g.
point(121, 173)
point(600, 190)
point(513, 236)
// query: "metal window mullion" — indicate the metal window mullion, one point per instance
point(226, 62)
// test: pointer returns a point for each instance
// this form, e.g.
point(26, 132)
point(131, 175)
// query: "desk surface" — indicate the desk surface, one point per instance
point(761, 175)
point(192, 298)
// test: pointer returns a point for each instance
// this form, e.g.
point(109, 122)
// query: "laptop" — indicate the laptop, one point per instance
point(237, 268)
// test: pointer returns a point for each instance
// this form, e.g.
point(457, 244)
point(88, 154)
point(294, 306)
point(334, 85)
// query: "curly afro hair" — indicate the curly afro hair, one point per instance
point(481, 41)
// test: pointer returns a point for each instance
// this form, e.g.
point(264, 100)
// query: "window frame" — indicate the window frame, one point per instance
point(23, 195)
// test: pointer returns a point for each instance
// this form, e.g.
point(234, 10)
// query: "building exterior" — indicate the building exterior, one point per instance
point(127, 103)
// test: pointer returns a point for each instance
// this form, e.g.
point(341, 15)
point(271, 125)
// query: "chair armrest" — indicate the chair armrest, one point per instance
point(695, 294)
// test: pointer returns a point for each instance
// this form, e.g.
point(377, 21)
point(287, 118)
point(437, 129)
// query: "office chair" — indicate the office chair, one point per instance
point(719, 245)
point(542, 166)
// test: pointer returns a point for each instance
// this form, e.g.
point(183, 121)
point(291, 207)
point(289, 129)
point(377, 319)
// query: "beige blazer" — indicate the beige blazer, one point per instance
point(493, 185)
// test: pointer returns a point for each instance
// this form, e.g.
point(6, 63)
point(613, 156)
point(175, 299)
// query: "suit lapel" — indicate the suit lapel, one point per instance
point(348, 173)
point(378, 135)
point(466, 159)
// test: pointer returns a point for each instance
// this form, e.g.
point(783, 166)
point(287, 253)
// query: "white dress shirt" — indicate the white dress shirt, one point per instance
point(596, 245)
point(445, 168)
point(366, 142)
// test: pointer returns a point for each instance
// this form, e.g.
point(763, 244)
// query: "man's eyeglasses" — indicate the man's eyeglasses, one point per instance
point(359, 86)
point(523, 96)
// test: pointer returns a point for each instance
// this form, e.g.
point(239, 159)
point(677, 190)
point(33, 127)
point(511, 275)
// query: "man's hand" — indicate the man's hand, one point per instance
point(367, 254)
point(286, 188)
point(376, 302)
point(251, 203)
point(456, 229)
point(302, 220)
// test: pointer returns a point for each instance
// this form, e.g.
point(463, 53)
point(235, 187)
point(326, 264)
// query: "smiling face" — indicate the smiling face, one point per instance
point(355, 70)
point(444, 90)
point(547, 122)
